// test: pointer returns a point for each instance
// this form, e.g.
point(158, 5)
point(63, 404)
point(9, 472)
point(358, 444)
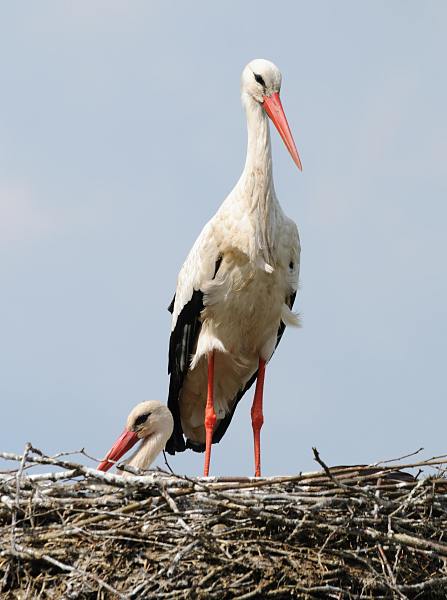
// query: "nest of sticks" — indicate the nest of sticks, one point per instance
point(343, 532)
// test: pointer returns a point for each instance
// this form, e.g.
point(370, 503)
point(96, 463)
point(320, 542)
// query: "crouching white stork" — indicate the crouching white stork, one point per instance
point(236, 288)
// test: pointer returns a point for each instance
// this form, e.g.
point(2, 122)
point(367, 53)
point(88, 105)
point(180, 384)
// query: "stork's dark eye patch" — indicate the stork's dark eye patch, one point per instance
point(259, 79)
point(142, 419)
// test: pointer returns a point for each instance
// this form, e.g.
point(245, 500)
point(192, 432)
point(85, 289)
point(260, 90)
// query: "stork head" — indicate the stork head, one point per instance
point(261, 83)
point(261, 78)
point(146, 419)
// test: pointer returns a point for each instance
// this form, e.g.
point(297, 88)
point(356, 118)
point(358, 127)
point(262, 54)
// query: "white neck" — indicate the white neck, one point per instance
point(147, 451)
point(255, 187)
point(259, 152)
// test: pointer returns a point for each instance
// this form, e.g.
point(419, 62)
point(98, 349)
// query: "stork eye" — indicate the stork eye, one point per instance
point(259, 79)
point(142, 419)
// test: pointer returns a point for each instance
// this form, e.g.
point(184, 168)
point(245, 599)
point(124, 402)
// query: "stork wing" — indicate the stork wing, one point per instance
point(201, 266)
point(181, 347)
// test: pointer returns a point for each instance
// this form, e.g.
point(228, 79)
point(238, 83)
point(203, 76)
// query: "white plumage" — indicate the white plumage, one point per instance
point(242, 273)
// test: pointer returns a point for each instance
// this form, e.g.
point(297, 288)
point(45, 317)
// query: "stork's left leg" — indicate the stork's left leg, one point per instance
point(210, 415)
point(257, 417)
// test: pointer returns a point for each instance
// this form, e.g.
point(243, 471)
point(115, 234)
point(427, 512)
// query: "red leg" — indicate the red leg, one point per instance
point(257, 418)
point(210, 415)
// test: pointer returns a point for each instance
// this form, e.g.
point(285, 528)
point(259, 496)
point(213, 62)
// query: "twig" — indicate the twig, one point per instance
point(17, 498)
point(385, 462)
point(166, 463)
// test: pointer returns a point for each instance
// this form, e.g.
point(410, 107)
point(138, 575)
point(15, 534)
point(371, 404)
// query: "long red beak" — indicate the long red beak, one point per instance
point(124, 443)
point(273, 107)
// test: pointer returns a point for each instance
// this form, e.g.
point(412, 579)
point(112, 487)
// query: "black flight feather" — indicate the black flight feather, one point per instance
point(181, 348)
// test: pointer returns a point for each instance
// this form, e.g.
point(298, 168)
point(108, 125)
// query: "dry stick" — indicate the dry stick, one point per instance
point(399, 538)
point(173, 506)
point(210, 575)
point(388, 572)
point(363, 492)
point(51, 476)
point(82, 452)
point(250, 509)
point(380, 462)
point(423, 586)
point(167, 464)
point(256, 592)
point(403, 505)
point(285, 592)
point(17, 499)
point(180, 554)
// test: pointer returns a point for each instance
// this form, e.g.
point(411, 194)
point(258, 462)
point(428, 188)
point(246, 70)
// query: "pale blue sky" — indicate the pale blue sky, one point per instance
point(121, 131)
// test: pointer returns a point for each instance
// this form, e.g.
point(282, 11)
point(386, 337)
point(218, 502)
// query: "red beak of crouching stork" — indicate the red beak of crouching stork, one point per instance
point(123, 444)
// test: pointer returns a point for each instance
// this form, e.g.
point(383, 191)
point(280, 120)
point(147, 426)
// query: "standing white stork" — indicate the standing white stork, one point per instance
point(236, 288)
point(149, 421)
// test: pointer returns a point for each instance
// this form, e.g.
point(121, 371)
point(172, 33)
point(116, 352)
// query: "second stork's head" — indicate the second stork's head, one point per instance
point(147, 419)
point(261, 84)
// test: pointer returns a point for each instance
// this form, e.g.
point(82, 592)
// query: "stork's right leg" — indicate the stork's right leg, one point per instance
point(210, 415)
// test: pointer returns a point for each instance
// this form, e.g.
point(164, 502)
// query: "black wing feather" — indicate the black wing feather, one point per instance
point(181, 347)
